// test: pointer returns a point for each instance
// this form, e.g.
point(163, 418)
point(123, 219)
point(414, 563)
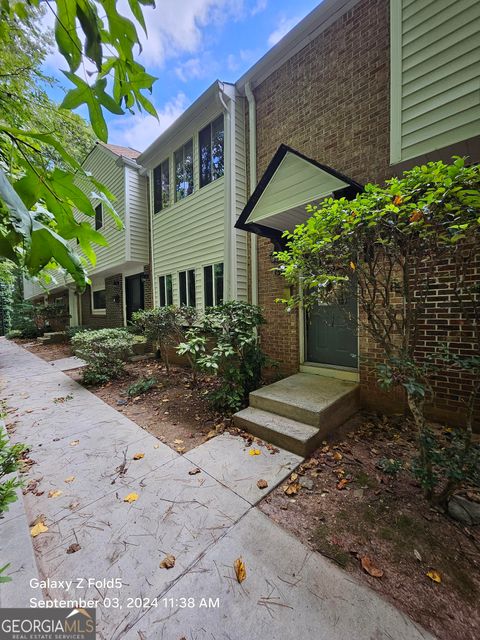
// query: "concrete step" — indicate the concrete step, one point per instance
point(319, 401)
point(285, 433)
point(54, 337)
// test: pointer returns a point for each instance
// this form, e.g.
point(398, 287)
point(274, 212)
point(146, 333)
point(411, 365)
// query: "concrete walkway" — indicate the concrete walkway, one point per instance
point(84, 448)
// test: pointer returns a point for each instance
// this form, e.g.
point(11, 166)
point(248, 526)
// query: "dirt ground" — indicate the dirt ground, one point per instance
point(351, 510)
point(175, 410)
point(47, 352)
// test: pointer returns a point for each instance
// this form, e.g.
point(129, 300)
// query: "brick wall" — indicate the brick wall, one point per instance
point(114, 305)
point(330, 101)
point(148, 288)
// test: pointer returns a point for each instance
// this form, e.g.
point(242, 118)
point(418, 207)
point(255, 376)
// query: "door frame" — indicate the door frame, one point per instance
point(317, 368)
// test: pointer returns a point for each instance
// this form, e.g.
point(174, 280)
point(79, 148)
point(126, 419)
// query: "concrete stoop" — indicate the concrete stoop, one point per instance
point(54, 337)
point(297, 413)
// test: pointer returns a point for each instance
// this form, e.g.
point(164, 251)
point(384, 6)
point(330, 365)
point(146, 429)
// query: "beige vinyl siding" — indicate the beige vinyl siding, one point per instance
point(102, 164)
point(137, 197)
point(241, 199)
point(435, 61)
point(190, 234)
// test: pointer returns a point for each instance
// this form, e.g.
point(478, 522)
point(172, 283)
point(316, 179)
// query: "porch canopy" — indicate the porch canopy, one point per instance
point(290, 182)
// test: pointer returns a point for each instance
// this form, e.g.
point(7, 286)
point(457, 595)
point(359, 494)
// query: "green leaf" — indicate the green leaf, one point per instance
point(66, 35)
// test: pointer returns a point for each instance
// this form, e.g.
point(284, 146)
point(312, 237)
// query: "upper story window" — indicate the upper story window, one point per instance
point(184, 171)
point(211, 144)
point(161, 186)
point(213, 284)
point(186, 284)
point(166, 290)
point(98, 216)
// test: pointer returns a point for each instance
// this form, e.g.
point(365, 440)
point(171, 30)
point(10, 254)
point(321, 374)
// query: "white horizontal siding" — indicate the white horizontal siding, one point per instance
point(240, 199)
point(102, 164)
point(137, 217)
point(435, 74)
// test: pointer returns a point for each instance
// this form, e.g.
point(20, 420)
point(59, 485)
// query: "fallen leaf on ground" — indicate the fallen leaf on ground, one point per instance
point(69, 479)
point(434, 575)
point(40, 518)
point(39, 528)
point(254, 452)
point(211, 434)
point(262, 484)
point(193, 472)
point(342, 484)
point(138, 456)
point(131, 497)
point(417, 555)
point(74, 443)
point(291, 489)
point(177, 441)
point(74, 505)
point(240, 570)
point(73, 548)
point(370, 568)
point(54, 493)
point(293, 477)
point(337, 456)
point(181, 449)
point(156, 446)
point(168, 562)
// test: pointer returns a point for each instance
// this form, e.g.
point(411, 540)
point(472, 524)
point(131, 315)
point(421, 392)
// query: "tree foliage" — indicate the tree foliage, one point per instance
point(39, 168)
point(390, 240)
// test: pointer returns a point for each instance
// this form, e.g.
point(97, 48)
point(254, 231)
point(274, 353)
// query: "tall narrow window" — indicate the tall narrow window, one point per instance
point(184, 171)
point(213, 284)
point(161, 186)
point(211, 149)
point(186, 284)
point(98, 216)
point(166, 290)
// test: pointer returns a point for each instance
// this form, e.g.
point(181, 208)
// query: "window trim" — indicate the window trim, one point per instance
point(94, 289)
point(187, 288)
point(181, 148)
point(216, 302)
point(165, 290)
point(199, 152)
point(169, 198)
point(99, 207)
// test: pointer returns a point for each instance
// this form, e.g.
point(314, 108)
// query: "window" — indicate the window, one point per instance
point(98, 216)
point(184, 171)
point(161, 186)
point(99, 300)
point(213, 284)
point(211, 151)
point(166, 291)
point(186, 283)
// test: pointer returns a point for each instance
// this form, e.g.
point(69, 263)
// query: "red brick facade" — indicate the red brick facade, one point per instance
point(331, 102)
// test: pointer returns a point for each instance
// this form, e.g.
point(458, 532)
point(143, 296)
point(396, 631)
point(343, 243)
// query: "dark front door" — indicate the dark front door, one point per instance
point(134, 294)
point(331, 333)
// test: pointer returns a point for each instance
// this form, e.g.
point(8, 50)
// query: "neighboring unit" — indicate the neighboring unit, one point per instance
point(121, 270)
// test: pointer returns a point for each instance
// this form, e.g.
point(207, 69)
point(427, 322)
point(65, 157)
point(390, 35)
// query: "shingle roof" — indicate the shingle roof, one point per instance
point(126, 152)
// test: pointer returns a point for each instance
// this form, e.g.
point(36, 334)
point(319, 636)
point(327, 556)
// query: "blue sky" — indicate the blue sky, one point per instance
point(193, 42)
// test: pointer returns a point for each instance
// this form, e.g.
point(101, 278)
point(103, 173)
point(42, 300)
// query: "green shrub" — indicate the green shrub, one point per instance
point(24, 320)
point(70, 332)
point(14, 333)
point(141, 386)
point(165, 326)
point(105, 351)
point(9, 457)
point(236, 357)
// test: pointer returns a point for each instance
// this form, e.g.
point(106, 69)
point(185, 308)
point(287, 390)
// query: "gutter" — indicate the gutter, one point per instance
point(252, 144)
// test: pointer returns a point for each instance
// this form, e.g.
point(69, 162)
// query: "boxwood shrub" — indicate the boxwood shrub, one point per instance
point(105, 351)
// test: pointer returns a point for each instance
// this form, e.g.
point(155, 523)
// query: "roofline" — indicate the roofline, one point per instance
point(325, 14)
point(350, 191)
point(182, 121)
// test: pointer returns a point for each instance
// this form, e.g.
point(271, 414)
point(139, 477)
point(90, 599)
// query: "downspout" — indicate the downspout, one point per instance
point(252, 143)
point(230, 188)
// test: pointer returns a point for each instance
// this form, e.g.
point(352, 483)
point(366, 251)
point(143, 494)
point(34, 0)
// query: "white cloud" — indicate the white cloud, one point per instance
point(194, 68)
point(283, 27)
point(258, 7)
point(140, 130)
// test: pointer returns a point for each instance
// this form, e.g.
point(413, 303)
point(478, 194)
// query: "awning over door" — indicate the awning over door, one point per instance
point(290, 182)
